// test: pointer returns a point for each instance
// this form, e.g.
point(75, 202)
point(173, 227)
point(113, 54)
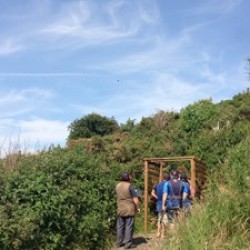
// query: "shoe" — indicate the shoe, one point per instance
point(131, 247)
point(120, 246)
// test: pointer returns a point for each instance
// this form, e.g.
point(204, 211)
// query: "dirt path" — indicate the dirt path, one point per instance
point(149, 242)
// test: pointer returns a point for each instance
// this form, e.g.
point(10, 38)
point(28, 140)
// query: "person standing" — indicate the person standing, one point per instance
point(127, 207)
point(157, 193)
point(174, 191)
point(186, 204)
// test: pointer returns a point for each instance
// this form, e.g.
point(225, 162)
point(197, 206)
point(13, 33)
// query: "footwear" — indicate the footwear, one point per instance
point(131, 247)
point(120, 246)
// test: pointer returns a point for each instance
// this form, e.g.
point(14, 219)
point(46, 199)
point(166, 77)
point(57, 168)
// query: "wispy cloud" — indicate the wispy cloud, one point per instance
point(8, 47)
point(15, 96)
point(164, 91)
point(24, 102)
point(43, 74)
point(31, 135)
point(214, 7)
point(44, 130)
point(75, 24)
point(90, 24)
point(164, 55)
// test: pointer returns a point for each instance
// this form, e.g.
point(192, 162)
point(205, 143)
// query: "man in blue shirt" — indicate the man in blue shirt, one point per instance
point(186, 204)
point(157, 193)
point(174, 191)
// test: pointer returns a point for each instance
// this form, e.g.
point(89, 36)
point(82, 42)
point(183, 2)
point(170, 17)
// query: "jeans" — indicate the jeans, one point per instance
point(125, 228)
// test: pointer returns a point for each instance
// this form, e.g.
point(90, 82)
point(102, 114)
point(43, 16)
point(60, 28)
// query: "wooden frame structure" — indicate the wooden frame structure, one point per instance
point(155, 174)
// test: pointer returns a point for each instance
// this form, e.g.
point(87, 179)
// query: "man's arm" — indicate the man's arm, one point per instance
point(135, 198)
point(186, 191)
point(164, 196)
point(153, 193)
point(136, 202)
point(184, 196)
point(164, 199)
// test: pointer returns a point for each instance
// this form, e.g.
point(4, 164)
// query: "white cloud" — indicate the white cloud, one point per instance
point(43, 74)
point(43, 130)
point(31, 135)
point(162, 61)
point(17, 96)
point(16, 103)
point(9, 47)
point(81, 24)
point(215, 6)
point(164, 91)
point(13, 111)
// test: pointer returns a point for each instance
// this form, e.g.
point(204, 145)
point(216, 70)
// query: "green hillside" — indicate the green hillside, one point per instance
point(63, 198)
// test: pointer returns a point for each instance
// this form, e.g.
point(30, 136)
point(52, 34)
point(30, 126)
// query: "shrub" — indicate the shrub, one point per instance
point(66, 202)
point(223, 221)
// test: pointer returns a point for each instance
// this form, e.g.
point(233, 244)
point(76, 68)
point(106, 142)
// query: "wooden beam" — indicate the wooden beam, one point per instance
point(155, 163)
point(154, 170)
point(180, 158)
point(145, 197)
point(161, 172)
point(193, 174)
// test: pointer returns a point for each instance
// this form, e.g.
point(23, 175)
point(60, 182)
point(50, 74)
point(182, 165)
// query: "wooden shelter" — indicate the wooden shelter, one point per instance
point(153, 173)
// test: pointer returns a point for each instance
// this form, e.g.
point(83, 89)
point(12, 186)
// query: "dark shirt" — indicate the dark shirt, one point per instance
point(133, 192)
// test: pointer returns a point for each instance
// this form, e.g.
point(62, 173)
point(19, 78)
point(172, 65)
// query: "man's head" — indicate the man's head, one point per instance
point(174, 174)
point(125, 176)
point(166, 176)
point(183, 176)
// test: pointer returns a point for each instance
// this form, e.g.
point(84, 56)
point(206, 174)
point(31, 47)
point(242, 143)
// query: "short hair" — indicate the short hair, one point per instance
point(125, 176)
point(174, 174)
point(166, 176)
point(184, 176)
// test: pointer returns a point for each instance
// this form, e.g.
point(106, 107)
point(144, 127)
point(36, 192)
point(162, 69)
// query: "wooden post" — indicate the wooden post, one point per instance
point(193, 174)
point(161, 172)
point(146, 197)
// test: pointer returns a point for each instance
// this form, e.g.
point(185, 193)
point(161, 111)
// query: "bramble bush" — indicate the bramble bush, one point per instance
point(223, 218)
point(60, 200)
point(64, 198)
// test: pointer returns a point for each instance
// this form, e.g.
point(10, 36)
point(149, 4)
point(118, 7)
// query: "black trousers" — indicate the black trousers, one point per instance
point(125, 229)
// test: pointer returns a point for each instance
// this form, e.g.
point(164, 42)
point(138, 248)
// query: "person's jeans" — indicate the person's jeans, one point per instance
point(125, 228)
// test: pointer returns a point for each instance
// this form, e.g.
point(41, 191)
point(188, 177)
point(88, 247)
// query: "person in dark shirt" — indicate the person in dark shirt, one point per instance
point(127, 207)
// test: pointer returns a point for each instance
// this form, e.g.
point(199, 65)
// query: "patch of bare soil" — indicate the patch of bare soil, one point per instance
point(145, 242)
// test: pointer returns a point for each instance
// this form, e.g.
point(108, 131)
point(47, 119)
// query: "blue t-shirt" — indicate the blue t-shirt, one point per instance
point(159, 192)
point(167, 189)
point(176, 189)
point(187, 202)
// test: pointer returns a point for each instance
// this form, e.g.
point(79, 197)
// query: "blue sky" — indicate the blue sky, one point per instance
point(63, 59)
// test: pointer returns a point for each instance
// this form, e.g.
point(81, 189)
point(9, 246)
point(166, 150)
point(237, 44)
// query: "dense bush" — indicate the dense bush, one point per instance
point(64, 198)
point(223, 220)
point(92, 125)
point(65, 202)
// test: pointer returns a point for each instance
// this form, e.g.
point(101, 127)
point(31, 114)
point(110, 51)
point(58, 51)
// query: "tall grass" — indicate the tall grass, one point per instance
point(223, 220)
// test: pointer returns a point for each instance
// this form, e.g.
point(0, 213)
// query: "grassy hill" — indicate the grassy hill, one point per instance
point(63, 198)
